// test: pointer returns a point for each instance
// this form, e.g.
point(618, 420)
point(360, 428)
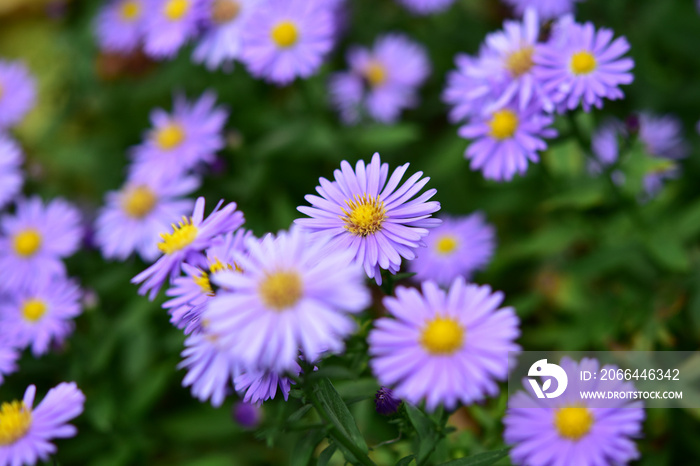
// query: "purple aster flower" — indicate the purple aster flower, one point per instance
point(17, 93)
point(293, 295)
point(385, 401)
point(583, 67)
point(247, 415)
point(26, 431)
point(210, 369)
point(180, 141)
point(505, 140)
point(443, 347)
point(191, 236)
point(119, 25)
point(373, 218)
point(10, 172)
point(285, 39)
point(169, 24)
point(35, 239)
point(662, 136)
point(426, 7)
point(558, 430)
point(259, 386)
point(222, 42)
point(469, 90)
point(41, 314)
point(383, 80)
point(134, 216)
point(458, 247)
point(546, 9)
point(8, 359)
point(605, 145)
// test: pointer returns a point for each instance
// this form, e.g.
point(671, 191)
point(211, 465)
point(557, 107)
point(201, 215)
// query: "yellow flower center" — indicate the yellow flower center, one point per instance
point(281, 290)
point(366, 215)
point(375, 73)
point(503, 124)
point(15, 421)
point(285, 34)
point(446, 245)
point(130, 10)
point(223, 11)
point(203, 279)
point(26, 243)
point(33, 309)
point(175, 10)
point(520, 61)
point(138, 201)
point(583, 63)
point(442, 336)
point(573, 422)
point(182, 236)
point(170, 136)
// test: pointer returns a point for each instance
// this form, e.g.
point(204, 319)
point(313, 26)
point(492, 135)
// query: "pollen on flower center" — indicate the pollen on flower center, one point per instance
point(573, 422)
point(285, 34)
point(182, 236)
point(281, 290)
point(130, 10)
point(504, 124)
point(446, 245)
point(203, 279)
point(520, 61)
point(170, 136)
point(366, 215)
point(33, 309)
point(15, 421)
point(27, 242)
point(442, 336)
point(583, 63)
point(375, 73)
point(223, 11)
point(175, 10)
point(139, 201)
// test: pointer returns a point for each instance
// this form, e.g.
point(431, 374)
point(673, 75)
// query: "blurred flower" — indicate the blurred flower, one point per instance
point(505, 140)
point(120, 25)
point(191, 236)
point(8, 358)
point(662, 135)
point(41, 315)
point(17, 93)
point(385, 402)
point(222, 42)
point(210, 369)
point(26, 432)
point(247, 415)
point(169, 24)
point(179, 141)
point(458, 247)
point(443, 347)
point(134, 216)
point(285, 39)
point(583, 66)
point(546, 9)
point(468, 91)
point(373, 218)
point(553, 431)
point(293, 295)
point(35, 239)
point(10, 169)
point(383, 80)
point(605, 145)
point(259, 386)
point(426, 7)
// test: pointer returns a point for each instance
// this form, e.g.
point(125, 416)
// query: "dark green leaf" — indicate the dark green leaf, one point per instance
point(406, 461)
point(326, 455)
point(482, 459)
point(339, 413)
point(304, 448)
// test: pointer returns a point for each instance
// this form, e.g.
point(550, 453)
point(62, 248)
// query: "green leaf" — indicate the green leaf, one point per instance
point(339, 413)
point(406, 461)
point(304, 448)
point(327, 454)
point(482, 459)
point(426, 430)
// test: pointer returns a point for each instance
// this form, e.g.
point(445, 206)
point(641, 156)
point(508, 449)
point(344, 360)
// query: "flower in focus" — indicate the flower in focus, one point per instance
point(458, 247)
point(546, 9)
point(17, 93)
point(385, 402)
point(210, 370)
point(366, 212)
point(443, 347)
point(25, 431)
point(169, 24)
point(286, 39)
point(10, 169)
point(293, 295)
point(8, 359)
point(259, 386)
point(383, 80)
point(426, 7)
point(119, 25)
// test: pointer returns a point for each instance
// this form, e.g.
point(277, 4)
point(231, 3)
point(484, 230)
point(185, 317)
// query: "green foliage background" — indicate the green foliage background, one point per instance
point(587, 266)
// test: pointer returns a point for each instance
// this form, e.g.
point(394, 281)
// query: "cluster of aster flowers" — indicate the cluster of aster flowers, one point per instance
point(507, 95)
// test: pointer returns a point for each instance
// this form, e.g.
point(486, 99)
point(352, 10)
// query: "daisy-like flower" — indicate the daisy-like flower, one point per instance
point(383, 81)
point(169, 24)
point(286, 39)
point(119, 25)
point(426, 7)
point(567, 430)
point(191, 236)
point(41, 314)
point(443, 347)
point(458, 247)
point(134, 216)
point(210, 370)
point(256, 387)
point(17, 93)
point(583, 67)
point(547, 9)
point(505, 140)
point(25, 431)
point(367, 213)
point(293, 295)
point(467, 91)
point(223, 40)
point(8, 359)
point(178, 142)
point(10, 172)
point(35, 239)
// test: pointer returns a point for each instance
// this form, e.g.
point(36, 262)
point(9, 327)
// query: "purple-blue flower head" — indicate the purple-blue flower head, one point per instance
point(119, 25)
point(444, 347)
point(210, 369)
point(366, 212)
point(258, 386)
point(426, 7)
point(385, 401)
point(469, 90)
point(169, 24)
point(10, 169)
point(247, 415)
point(8, 358)
point(17, 93)
point(546, 9)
